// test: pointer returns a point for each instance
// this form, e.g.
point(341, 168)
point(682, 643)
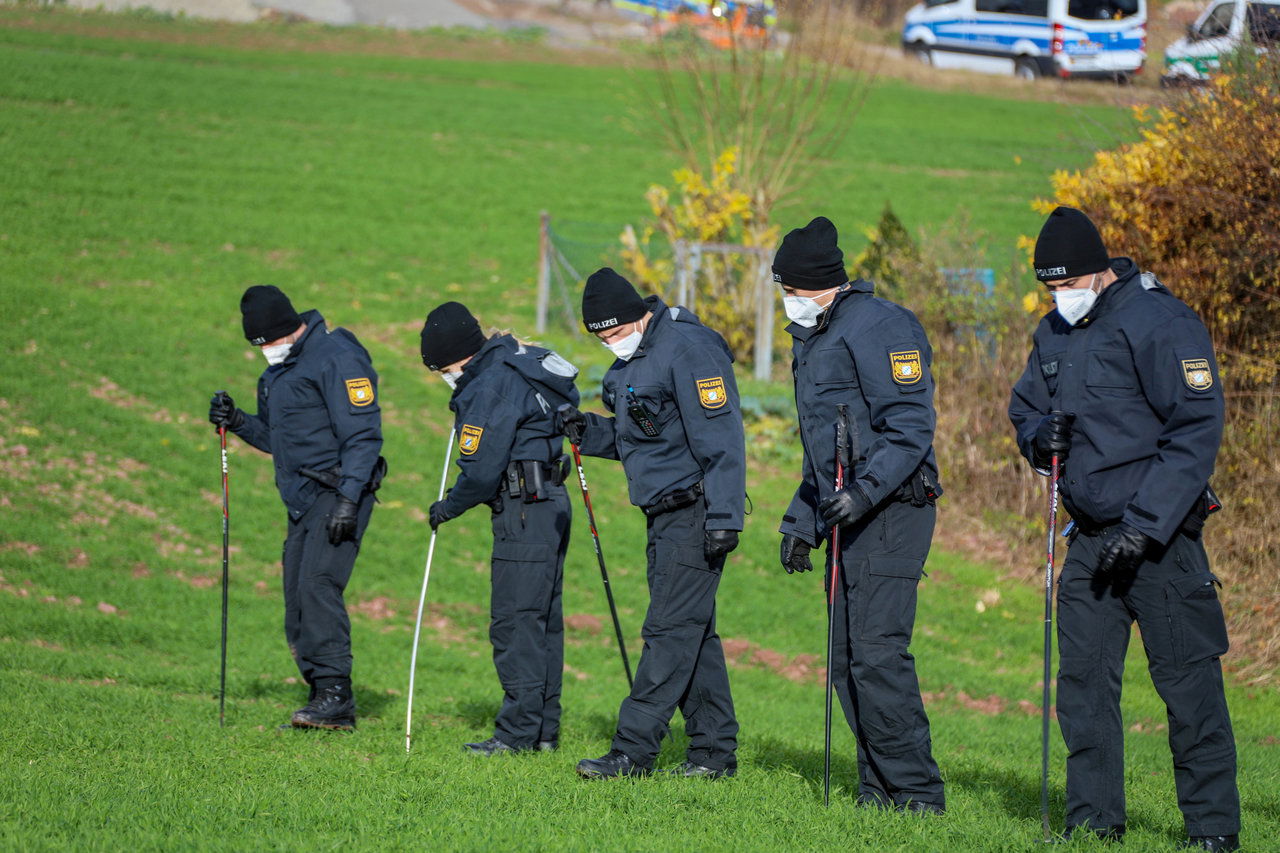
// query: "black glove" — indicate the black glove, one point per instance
point(795, 554)
point(717, 543)
point(223, 411)
point(1053, 435)
point(845, 507)
point(342, 521)
point(437, 515)
point(571, 423)
point(1123, 550)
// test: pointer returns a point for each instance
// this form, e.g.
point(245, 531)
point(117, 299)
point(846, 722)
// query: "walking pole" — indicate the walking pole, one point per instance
point(604, 573)
point(226, 548)
point(422, 599)
point(842, 464)
point(1048, 648)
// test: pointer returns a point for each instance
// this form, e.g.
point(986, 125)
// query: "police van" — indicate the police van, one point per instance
point(1222, 29)
point(1104, 39)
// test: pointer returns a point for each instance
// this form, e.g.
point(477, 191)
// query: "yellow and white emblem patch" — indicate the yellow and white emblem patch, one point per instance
point(906, 366)
point(469, 440)
point(360, 391)
point(711, 393)
point(1196, 373)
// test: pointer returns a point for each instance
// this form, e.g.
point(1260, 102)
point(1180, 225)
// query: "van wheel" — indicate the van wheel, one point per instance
point(1025, 68)
point(920, 53)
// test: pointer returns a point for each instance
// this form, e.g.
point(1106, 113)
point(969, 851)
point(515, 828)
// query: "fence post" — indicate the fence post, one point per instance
point(682, 275)
point(764, 319)
point(544, 270)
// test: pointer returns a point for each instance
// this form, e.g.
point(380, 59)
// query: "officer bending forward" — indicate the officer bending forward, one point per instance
point(319, 419)
point(505, 395)
point(871, 356)
point(1122, 384)
point(678, 432)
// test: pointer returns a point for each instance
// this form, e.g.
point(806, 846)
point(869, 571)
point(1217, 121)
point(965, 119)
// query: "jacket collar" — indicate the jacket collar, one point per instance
point(315, 326)
point(803, 333)
point(658, 321)
point(1116, 293)
point(491, 353)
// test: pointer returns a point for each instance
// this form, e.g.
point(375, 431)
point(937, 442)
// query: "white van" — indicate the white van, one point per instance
point(1222, 28)
point(1031, 38)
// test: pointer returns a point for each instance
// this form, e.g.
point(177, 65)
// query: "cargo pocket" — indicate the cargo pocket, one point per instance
point(1195, 619)
point(519, 581)
point(888, 601)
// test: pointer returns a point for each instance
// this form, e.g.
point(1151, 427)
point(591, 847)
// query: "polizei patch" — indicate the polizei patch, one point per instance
point(1196, 373)
point(711, 393)
point(469, 440)
point(360, 391)
point(906, 366)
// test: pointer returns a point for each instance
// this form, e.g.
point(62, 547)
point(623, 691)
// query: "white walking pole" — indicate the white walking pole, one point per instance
point(422, 597)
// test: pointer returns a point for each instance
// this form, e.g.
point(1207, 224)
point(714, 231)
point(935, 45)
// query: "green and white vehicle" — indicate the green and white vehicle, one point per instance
point(1224, 27)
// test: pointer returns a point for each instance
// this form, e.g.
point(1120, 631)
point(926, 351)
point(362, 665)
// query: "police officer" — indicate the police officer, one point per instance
point(678, 433)
point(854, 349)
point(318, 417)
point(1122, 384)
point(505, 394)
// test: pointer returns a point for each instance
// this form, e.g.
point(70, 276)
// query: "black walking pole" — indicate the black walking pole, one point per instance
point(1052, 524)
point(226, 524)
point(604, 573)
point(842, 465)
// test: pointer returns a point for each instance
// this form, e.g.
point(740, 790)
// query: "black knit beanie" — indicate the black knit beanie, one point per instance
point(1069, 245)
point(450, 335)
point(268, 314)
point(809, 258)
point(609, 300)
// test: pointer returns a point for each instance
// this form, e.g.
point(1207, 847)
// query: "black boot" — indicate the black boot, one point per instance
point(332, 707)
point(1212, 842)
point(920, 807)
point(689, 770)
point(492, 746)
point(611, 765)
point(548, 745)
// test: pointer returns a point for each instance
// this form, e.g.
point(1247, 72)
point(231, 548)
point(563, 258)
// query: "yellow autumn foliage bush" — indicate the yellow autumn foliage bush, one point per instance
point(705, 209)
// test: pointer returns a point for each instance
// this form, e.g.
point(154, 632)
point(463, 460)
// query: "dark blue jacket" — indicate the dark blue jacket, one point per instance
point(504, 407)
point(683, 375)
point(873, 356)
point(1140, 376)
point(318, 409)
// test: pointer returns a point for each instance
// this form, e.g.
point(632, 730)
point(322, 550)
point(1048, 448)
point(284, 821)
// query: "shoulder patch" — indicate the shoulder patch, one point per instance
point(469, 439)
point(906, 366)
point(711, 393)
point(1197, 374)
point(360, 391)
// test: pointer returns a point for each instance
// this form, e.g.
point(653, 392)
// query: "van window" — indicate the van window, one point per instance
point(1219, 21)
point(1264, 23)
point(932, 3)
point(1034, 8)
point(1101, 10)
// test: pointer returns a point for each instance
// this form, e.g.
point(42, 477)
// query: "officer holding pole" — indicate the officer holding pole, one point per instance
point(510, 456)
point(855, 351)
point(318, 417)
point(1122, 387)
point(677, 429)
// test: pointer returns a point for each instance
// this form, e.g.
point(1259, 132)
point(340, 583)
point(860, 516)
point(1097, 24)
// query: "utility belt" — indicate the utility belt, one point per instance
point(1192, 526)
point(919, 489)
point(531, 480)
point(331, 477)
point(673, 500)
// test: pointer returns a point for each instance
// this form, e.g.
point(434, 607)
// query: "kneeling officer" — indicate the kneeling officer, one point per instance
point(679, 436)
point(505, 394)
point(319, 419)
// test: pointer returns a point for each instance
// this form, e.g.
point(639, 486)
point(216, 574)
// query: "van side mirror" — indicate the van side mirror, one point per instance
point(1192, 33)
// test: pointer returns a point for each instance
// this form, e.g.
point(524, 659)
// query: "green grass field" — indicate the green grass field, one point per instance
point(153, 170)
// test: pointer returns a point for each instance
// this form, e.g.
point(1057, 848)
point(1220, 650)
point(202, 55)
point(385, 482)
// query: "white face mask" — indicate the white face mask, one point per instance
point(451, 378)
point(276, 354)
point(803, 310)
point(1074, 304)
point(626, 347)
